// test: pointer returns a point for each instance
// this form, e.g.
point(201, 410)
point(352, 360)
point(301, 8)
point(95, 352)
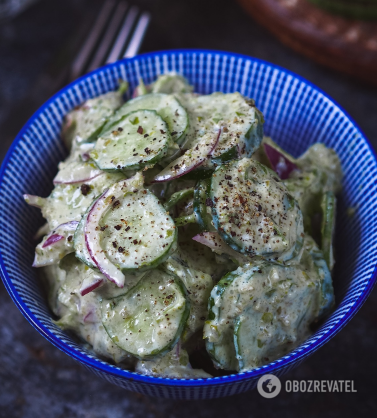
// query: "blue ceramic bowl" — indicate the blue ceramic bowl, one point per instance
point(297, 115)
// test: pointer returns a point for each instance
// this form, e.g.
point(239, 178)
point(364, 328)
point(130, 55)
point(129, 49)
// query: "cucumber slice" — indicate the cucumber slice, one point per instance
point(82, 254)
point(192, 159)
point(165, 105)
point(148, 320)
point(326, 161)
point(313, 260)
point(139, 140)
point(245, 340)
point(307, 189)
point(217, 332)
point(127, 229)
point(321, 172)
point(328, 206)
point(230, 154)
point(241, 121)
point(200, 173)
point(253, 211)
point(87, 121)
point(202, 205)
point(260, 312)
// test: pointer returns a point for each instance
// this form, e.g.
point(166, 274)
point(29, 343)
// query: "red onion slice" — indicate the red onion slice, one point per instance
point(215, 142)
point(279, 162)
point(92, 239)
point(91, 283)
point(92, 232)
point(191, 160)
point(214, 241)
point(67, 226)
point(85, 156)
point(57, 244)
point(52, 239)
point(91, 316)
point(65, 229)
point(85, 148)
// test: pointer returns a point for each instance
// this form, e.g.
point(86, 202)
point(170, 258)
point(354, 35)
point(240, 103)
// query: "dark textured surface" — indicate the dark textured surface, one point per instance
point(36, 379)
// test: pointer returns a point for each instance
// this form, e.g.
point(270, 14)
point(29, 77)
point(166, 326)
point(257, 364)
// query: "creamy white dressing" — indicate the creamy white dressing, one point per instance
point(68, 202)
point(175, 363)
point(257, 312)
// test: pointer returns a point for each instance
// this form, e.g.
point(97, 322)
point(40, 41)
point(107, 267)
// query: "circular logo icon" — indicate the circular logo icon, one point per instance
point(269, 386)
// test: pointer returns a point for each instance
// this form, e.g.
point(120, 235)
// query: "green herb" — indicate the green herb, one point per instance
point(270, 292)
point(260, 343)
point(267, 317)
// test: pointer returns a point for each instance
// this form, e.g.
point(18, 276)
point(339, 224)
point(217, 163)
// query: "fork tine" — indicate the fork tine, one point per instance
point(87, 49)
point(107, 40)
point(124, 33)
point(138, 36)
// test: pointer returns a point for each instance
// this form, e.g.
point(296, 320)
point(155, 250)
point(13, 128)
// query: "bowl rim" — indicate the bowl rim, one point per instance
point(101, 366)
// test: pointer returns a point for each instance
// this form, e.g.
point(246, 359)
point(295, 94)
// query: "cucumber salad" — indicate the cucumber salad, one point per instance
point(180, 242)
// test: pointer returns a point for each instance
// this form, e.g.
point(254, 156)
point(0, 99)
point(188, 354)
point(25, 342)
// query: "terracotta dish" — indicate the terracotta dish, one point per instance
point(346, 45)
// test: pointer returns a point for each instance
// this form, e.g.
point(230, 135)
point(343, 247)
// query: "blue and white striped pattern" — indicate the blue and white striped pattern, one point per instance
point(297, 115)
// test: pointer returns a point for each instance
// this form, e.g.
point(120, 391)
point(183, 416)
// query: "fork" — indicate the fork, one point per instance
point(117, 32)
point(111, 37)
